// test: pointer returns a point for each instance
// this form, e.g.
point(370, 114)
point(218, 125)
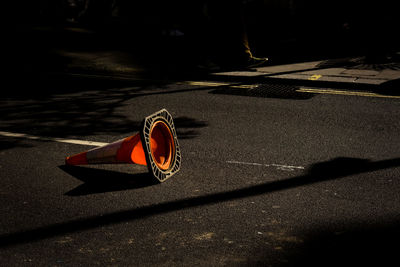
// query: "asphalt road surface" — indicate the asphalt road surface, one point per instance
point(272, 175)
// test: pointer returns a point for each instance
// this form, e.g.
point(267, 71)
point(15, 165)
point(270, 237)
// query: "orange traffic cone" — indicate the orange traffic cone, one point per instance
point(155, 146)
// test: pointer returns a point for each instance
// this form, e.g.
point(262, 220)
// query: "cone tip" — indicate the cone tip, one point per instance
point(78, 159)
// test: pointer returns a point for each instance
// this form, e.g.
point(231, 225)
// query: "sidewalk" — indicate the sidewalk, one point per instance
point(344, 72)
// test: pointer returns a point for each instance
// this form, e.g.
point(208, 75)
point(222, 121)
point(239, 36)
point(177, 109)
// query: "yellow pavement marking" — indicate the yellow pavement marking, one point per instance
point(245, 86)
point(315, 77)
point(216, 84)
point(211, 84)
point(341, 92)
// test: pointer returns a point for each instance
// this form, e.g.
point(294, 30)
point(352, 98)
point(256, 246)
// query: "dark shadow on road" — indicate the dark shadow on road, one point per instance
point(367, 245)
point(390, 88)
point(6, 143)
point(82, 107)
point(44, 86)
point(102, 181)
point(320, 172)
point(186, 127)
point(75, 107)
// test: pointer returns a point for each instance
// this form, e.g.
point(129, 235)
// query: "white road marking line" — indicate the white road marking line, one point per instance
point(244, 163)
point(210, 84)
point(281, 167)
point(60, 140)
point(217, 84)
point(341, 92)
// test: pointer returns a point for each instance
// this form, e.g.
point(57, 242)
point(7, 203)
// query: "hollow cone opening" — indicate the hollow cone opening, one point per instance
point(162, 145)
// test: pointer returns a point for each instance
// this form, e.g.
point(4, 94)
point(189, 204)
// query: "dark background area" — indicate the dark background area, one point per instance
point(286, 30)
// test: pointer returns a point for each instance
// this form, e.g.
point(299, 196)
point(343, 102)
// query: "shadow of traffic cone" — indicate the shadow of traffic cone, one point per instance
point(156, 146)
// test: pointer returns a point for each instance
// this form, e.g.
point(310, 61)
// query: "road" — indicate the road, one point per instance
point(272, 175)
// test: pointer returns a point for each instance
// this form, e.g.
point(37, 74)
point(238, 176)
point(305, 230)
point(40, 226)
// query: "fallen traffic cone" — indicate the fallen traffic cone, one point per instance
point(156, 146)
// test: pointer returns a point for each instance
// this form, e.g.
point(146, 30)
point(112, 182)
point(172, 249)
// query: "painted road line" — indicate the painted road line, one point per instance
point(282, 167)
point(341, 92)
point(208, 84)
point(53, 139)
point(217, 84)
point(314, 77)
point(246, 86)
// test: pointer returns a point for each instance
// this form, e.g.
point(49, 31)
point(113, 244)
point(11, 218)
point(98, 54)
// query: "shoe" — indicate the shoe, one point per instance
point(249, 63)
point(253, 62)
